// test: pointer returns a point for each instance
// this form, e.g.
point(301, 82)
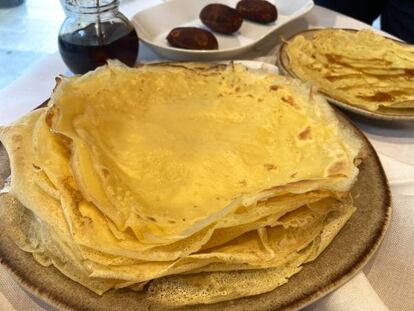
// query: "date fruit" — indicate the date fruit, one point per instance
point(221, 18)
point(192, 38)
point(259, 11)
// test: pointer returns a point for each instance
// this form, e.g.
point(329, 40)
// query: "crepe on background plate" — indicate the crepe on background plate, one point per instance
point(228, 180)
point(360, 68)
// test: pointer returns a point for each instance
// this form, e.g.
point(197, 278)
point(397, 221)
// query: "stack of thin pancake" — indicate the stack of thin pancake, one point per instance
point(212, 182)
point(359, 67)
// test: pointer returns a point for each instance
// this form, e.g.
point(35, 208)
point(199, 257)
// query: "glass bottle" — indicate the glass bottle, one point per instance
point(93, 32)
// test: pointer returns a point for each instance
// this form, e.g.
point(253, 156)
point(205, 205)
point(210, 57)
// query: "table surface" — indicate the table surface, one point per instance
point(28, 33)
point(394, 142)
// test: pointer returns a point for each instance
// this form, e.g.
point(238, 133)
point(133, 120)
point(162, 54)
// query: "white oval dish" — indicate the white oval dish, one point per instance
point(154, 24)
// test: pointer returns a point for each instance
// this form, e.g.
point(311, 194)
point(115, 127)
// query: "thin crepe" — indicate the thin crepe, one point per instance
point(200, 143)
point(361, 68)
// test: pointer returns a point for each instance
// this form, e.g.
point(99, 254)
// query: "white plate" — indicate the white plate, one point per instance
point(154, 24)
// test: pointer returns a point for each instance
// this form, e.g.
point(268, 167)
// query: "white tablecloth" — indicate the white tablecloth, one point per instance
point(386, 283)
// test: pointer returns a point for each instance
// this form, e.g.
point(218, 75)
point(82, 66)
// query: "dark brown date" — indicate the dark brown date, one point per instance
point(192, 38)
point(259, 11)
point(221, 18)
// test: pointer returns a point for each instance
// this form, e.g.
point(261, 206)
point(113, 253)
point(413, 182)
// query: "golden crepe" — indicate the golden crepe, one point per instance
point(360, 68)
point(216, 176)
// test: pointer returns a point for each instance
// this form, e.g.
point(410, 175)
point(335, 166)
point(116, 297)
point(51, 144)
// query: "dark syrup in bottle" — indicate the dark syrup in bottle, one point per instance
point(84, 50)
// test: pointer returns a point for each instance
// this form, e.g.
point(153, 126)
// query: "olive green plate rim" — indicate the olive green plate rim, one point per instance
point(16, 262)
point(284, 65)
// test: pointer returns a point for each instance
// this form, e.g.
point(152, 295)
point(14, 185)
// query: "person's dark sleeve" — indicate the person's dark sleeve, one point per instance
point(398, 19)
point(364, 10)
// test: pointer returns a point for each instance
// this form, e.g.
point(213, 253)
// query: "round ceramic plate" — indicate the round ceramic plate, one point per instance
point(382, 114)
point(344, 257)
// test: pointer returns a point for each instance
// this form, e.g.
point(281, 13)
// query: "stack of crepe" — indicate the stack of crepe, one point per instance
point(360, 68)
point(196, 183)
